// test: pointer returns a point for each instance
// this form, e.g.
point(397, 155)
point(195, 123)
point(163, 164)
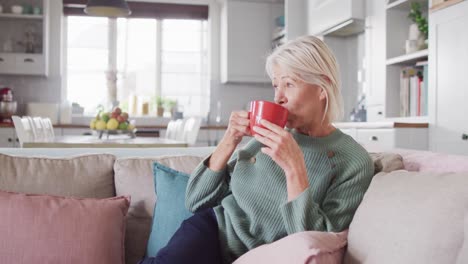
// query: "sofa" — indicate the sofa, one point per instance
point(415, 210)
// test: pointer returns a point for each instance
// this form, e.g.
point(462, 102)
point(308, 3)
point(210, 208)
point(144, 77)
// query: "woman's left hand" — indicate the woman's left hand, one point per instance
point(284, 150)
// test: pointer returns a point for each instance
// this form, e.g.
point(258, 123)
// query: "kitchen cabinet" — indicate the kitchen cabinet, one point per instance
point(8, 138)
point(246, 33)
point(448, 52)
point(24, 59)
point(336, 17)
point(376, 139)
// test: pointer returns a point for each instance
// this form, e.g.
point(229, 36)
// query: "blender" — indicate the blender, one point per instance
point(7, 105)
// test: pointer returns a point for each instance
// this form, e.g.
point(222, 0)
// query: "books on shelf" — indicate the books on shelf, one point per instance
point(413, 90)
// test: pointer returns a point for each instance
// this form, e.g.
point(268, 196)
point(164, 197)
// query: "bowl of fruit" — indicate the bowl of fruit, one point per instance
point(113, 123)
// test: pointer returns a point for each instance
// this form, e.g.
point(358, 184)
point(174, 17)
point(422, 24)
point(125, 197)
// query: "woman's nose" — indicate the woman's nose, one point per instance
point(280, 98)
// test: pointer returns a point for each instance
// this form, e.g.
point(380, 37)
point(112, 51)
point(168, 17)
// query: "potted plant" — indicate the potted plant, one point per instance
point(160, 105)
point(170, 105)
point(420, 29)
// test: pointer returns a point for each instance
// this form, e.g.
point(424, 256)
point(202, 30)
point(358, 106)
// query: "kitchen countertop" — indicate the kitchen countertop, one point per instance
point(222, 127)
point(374, 125)
point(343, 125)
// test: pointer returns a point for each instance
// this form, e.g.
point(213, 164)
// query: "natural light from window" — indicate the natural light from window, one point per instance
point(169, 59)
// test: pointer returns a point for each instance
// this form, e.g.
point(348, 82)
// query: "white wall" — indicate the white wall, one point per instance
point(48, 89)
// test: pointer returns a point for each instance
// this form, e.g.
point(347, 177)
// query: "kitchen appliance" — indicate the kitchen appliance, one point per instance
point(7, 105)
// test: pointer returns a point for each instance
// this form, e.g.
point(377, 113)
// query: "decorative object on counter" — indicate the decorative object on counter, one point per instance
point(418, 31)
point(65, 112)
point(170, 106)
point(107, 8)
point(159, 106)
point(359, 115)
point(112, 123)
point(77, 109)
point(7, 105)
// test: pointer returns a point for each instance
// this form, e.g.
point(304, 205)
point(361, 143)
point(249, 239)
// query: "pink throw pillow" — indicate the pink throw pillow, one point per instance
point(309, 247)
point(52, 229)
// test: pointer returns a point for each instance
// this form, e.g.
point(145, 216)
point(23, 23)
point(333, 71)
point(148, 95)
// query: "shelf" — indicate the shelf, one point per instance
point(444, 5)
point(406, 4)
point(20, 16)
point(408, 59)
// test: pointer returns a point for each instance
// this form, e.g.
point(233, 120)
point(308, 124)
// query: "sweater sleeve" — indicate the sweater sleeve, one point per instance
point(206, 188)
point(338, 208)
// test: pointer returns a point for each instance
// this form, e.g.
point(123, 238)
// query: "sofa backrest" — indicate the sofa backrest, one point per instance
point(98, 173)
point(415, 160)
point(86, 176)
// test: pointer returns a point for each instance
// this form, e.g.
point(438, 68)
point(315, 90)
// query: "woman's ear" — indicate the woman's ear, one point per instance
point(323, 95)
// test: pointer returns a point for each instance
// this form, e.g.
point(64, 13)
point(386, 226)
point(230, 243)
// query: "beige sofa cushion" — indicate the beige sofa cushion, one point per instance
point(87, 176)
point(410, 217)
point(134, 177)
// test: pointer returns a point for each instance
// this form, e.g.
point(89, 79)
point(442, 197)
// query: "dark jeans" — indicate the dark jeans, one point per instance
point(196, 241)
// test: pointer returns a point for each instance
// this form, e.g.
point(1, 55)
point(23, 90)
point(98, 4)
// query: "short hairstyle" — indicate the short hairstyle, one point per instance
point(309, 59)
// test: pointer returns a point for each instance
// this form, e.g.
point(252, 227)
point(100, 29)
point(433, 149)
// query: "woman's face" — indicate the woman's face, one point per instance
point(305, 102)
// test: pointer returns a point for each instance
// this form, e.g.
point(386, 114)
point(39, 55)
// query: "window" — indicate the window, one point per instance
point(133, 60)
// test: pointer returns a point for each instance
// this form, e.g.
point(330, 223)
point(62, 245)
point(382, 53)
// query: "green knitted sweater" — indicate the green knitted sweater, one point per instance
point(249, 197)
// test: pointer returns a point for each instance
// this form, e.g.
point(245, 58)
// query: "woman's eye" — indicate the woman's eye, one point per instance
point(289, 85)
point(275, 87)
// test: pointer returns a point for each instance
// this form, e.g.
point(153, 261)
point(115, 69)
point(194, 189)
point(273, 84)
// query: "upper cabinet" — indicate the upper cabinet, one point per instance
point(335, 17)
point(24, 39)
point(246, 35)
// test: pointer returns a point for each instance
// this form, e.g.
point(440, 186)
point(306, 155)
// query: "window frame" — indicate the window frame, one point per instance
point(112, 58)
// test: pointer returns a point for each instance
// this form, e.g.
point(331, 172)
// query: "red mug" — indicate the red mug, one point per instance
point(270, 111)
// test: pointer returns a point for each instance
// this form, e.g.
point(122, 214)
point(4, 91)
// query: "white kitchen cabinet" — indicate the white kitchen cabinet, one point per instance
point(295, 13)
point(338, 17)
point(389, 138)
point(448, 52)
point(14, 27)
point(8, 138)
point(246, 32)
point(375, 139)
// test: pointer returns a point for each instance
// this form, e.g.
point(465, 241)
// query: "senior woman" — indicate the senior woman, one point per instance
point(309, 176)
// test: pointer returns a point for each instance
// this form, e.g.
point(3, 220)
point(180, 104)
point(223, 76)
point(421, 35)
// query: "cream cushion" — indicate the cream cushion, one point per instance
point(409, 217)
point(134, 177)
point(86, 176)
point(386, 161)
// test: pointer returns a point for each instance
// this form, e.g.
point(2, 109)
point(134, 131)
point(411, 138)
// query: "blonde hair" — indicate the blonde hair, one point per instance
point(309, 59)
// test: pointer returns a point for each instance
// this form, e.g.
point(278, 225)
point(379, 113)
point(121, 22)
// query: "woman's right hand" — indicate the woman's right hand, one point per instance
point(238, 127)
